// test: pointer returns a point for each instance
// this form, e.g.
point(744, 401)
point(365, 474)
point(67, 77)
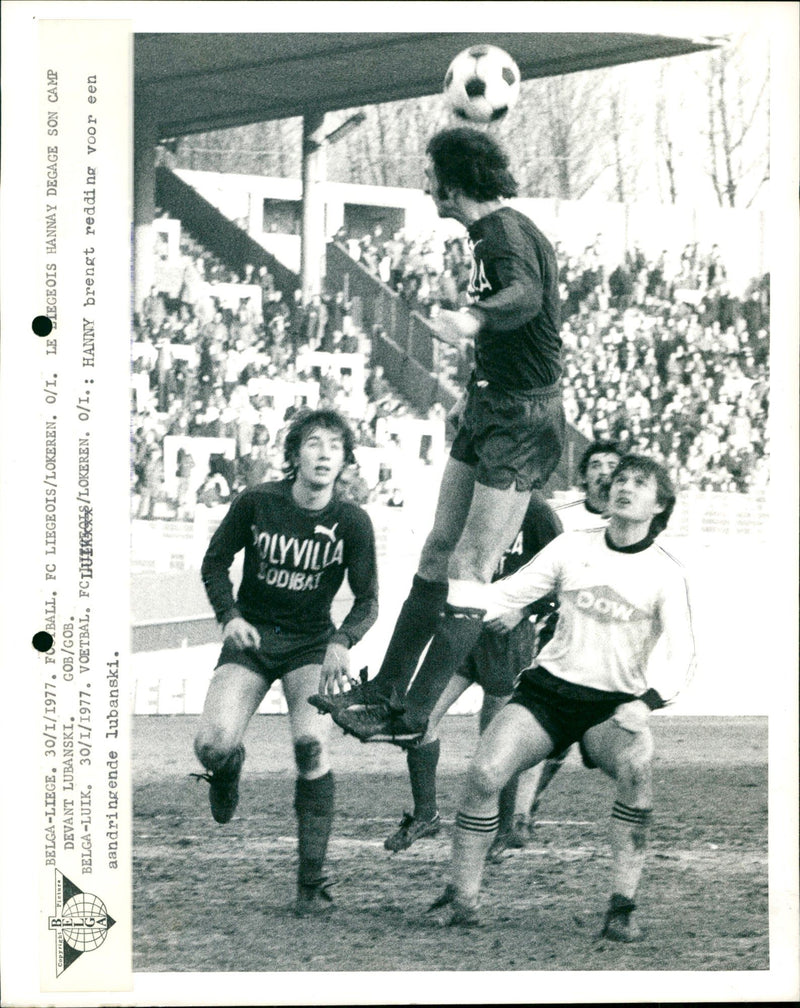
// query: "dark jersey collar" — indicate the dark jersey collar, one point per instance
point(634, 548)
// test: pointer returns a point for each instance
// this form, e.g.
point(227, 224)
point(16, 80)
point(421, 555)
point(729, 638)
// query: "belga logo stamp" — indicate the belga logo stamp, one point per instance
point(81, 922)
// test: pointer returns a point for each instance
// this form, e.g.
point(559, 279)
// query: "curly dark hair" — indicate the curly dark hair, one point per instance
point(473, 162)
point(307, 420)
point(665, 491)
point(597, 448)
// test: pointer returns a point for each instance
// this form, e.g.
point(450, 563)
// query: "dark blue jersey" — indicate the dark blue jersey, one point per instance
point(540, 525)
point(514, 283)
point(294, 562)
point(499, 656)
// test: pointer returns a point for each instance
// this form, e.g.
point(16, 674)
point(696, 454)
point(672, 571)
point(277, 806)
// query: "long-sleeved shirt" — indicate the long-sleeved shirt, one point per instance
point(576, 516)
point(295, 561)
point(539, 527)
point(514, 284)
point(615, 603)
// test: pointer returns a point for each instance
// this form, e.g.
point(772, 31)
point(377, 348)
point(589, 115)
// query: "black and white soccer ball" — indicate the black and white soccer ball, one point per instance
point(482, 84)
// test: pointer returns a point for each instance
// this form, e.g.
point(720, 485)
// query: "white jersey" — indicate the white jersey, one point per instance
point(614, 605)
point(576, 516)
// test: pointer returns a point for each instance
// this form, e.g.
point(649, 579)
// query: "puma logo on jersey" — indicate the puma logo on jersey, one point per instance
point(329, 532)
point(605, 605)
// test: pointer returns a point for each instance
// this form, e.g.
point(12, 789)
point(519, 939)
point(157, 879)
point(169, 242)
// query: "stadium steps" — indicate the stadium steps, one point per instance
point(233, 246)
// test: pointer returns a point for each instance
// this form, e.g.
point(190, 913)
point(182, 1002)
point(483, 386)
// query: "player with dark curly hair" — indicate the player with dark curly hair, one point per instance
point(509, 438)
point(472, 162)
point(299, 540)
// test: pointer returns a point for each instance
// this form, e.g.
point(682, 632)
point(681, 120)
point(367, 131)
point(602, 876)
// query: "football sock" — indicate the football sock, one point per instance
point(456, 635)
point(422, 762)
point(415, 626)
point(472, 839)
point(629, 829)
point(313, 805)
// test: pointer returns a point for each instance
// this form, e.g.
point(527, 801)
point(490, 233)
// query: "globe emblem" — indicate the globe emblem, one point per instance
point(85, 922)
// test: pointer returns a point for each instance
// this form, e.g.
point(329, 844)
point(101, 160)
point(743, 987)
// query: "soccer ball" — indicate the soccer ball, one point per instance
point(482, 84)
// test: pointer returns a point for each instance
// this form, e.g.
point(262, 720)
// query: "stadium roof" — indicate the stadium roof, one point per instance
point(196, 82)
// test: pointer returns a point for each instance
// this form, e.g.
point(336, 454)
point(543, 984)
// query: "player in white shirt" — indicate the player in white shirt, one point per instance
point(597, 464)
point(619, 593)
point(595, 468)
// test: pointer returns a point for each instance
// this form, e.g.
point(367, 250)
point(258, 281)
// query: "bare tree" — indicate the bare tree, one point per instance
point(266, 148)
point(565, 124)
point(737, 105)
point(611, 132)
point(622, 129)
point(665, 144)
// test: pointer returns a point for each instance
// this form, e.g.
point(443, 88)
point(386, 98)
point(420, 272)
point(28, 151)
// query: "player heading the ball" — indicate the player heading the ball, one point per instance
point(509, 438)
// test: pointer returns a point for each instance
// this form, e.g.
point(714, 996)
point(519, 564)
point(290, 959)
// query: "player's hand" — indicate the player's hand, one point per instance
point(456, 328)
point(241, 633)
point(506, 622)
point(632, 717)
point(334, 676)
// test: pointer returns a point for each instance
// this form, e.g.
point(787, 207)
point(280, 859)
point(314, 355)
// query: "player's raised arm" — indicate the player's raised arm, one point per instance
point(530, 583)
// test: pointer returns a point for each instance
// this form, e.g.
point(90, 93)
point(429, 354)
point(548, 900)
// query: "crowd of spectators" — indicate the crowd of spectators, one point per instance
point(201, 369)
point(661, 355)
point(686, 378)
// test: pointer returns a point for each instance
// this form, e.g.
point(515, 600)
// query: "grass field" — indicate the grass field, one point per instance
point(212, 898)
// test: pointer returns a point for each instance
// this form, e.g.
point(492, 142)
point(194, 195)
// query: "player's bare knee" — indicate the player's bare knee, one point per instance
point(307, 754)
point(634, 771)
point(483, 781)
point(212, 755)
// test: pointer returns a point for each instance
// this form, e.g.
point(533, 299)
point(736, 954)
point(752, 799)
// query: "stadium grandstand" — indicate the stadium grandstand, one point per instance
point(239, 323)
point(657, 354)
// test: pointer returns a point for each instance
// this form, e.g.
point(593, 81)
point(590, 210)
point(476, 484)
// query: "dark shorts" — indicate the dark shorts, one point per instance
point(565, 710)
point(280, 652)
point(497, 659)
point(511, 438)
